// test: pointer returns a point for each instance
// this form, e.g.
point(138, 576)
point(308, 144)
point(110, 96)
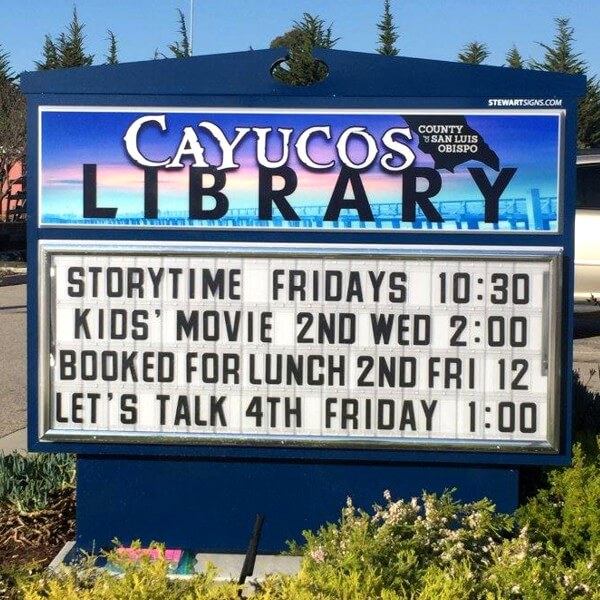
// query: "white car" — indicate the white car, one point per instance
point(587, 228)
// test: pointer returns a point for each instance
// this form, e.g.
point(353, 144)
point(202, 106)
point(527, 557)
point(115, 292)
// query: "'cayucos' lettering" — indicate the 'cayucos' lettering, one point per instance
point(397, 156)
point(212, 155)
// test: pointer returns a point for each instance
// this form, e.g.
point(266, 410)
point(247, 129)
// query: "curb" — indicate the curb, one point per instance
point(16, 279)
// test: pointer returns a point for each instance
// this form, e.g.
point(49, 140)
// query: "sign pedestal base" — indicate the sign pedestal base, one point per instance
point(211, 505)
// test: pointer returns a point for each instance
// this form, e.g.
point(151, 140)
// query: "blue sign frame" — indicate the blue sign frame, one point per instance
point(157, 491)
point(83, 88)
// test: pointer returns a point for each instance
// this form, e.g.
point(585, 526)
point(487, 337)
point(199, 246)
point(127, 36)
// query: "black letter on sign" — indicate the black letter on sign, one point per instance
point(150, 193)
point(90, 210)
point(198, 191)
point(492, 191)
point(360, 202)
point(267, 196)
point(410, 196)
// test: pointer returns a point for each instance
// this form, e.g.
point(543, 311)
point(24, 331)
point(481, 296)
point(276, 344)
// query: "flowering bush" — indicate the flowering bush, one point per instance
point(432, 545)
point(434, 548)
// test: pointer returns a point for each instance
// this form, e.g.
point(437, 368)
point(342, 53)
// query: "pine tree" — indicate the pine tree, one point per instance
point(560, 57)
point(474, 53)
point(67, 50)
point(514, 59)
point(301, 68)
point(50, 56)
point(388, 32)
point(588, 116)
point(70, 48)
point(181, 50)
point(112, 56)
point(6, 72)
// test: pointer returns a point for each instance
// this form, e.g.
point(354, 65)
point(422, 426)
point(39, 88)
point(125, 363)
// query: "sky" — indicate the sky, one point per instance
point(435, 29)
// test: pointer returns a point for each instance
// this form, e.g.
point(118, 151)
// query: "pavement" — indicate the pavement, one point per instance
point(14, 442)
point(13, 373)
point(586, 348)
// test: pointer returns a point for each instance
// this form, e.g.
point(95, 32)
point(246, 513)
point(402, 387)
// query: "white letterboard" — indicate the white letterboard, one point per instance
point(348, 346)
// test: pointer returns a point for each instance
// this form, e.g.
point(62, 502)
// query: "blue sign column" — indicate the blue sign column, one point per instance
point(251, 298)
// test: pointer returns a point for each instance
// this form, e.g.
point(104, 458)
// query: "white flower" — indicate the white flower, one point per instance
point(318, 554)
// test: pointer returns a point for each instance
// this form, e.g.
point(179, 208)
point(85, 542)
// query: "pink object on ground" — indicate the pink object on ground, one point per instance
point(172, 556)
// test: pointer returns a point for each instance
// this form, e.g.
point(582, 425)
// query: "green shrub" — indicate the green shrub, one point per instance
point(565, 518)
point(28, 481)
point(523, 569)
point(143, 579)
point(14, 578)
point(435, 547)
point(586, 414)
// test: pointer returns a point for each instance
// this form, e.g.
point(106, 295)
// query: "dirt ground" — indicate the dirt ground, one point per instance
point(38, 536)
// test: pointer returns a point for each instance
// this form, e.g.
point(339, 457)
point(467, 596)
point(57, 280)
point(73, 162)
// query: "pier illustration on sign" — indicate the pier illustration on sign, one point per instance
point(535, 213)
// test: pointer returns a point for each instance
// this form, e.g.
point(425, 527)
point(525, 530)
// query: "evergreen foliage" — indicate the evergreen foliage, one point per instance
point(67, 50)
point(474, 53)
point(70, 47)
point(427, 548)
point(145, 579)
point(50, 56)
point(514, 59)
point(560, 57)
point(387, 32)
point(112, 57)
point(435, 548)
point(28, 481)
point(301, 68)
point(6, 72)
point(588, 117)
point(181, 48)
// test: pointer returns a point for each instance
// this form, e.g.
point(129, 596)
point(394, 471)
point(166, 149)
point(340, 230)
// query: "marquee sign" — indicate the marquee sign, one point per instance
point(289, 169)
point(384, 346)
point(388, 346)
point(308, 292)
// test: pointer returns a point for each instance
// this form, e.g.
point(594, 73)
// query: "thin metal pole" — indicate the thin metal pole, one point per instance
point(191, 27)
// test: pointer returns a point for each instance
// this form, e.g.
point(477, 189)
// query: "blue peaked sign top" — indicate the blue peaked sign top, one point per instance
point(351, 75)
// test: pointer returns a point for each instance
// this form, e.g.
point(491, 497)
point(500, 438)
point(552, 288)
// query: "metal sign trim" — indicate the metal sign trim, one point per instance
point(47, 249)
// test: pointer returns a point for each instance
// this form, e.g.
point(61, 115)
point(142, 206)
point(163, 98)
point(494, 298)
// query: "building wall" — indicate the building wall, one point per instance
point(9, 205)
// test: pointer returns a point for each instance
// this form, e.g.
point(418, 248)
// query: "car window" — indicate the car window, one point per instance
point(588, 186)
